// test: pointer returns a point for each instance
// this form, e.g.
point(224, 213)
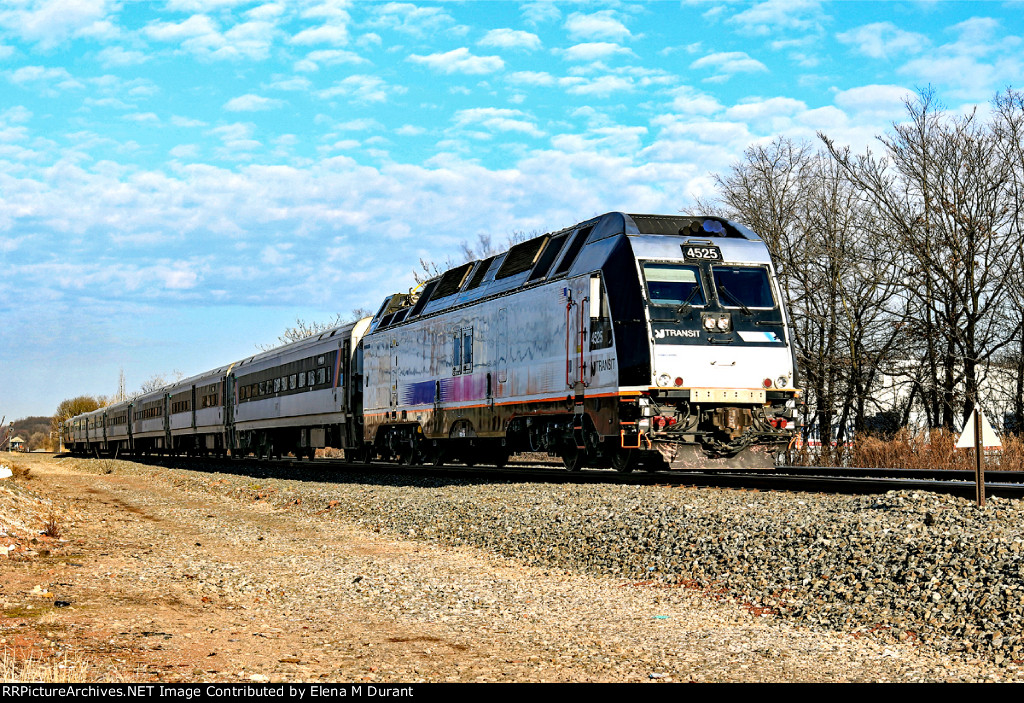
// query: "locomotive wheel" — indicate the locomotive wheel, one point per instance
point(572, 459)
point(624, 460)
point(436, 457)
point(405, 453)
point(501, 460)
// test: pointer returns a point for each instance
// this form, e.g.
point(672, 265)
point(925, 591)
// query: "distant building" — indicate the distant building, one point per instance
point(18, 444)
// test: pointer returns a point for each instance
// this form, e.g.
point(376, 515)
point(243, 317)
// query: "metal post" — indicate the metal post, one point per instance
point(979, 458)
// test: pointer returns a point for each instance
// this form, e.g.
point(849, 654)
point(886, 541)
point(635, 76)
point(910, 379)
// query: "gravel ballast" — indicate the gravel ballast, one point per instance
point(903, 566)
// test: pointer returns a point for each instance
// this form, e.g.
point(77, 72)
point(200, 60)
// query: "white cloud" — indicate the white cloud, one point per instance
point(973, 66)
point(776, 17)
point(197, 5)
point(150, 118)
point(248, 40)
point(237, 140)
point(510, 39)
point(498, 119)
point(593, 51)
point(410, 19)
point(535, 78)
point(362, 88)
point(329, 9)
point(327, 57)
point(185, 151)
point(601, 86)
point(294, 83)
point(51, 22)
point(267, 11)
point(179, 121)
point(35, 74)
point(751, 110)
point(201, 35)
point(360, 125)
point(689, 101)
point(195, 26)
point(18, 113)
point(727, 63)
point(251, 103)
point(599, 25)
point(119, 56)
point(324, 34)
point(883, 40)
point(459, 61)
point(49, 81)
point(883, 102)
point(540, 12)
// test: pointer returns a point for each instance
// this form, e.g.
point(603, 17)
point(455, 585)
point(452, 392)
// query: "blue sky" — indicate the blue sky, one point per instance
point(180, 180)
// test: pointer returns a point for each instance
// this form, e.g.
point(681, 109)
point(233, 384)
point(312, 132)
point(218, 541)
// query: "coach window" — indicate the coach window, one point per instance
point(329, 374)
point(291, 382)
point(321, 374)
point(302, 379)
point(277, 385)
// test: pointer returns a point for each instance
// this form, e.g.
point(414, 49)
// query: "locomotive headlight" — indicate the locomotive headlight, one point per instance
point(781, 382)
point(723, 323)
point(709, 323)
point(664, 380)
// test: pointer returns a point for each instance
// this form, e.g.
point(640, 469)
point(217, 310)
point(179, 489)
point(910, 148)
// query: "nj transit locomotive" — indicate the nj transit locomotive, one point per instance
point(624, 341)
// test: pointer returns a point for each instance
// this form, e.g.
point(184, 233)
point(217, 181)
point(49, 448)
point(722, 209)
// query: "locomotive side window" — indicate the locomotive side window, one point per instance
point(467, 350)
point(462, 351)
point(457, 352)
point(673, 284)
point(600, 319)
point(743, 286)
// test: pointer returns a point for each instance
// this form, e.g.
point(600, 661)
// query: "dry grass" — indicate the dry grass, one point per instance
point(31, 669)
point(51, 525)
point(912, 450)
point(19, 470)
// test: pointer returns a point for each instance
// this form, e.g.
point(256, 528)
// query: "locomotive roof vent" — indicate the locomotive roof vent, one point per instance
point(703, 226)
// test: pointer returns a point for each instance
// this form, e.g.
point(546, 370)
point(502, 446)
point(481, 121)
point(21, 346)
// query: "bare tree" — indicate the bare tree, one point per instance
point(942, 188)
point(67, 409)
point(304, 329)
point(484, 247)
point(1008, 125)
point(833, 270)
point(156, 382)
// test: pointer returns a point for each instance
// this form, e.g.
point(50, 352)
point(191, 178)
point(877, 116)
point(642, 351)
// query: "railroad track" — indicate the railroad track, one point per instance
point(1006, 484)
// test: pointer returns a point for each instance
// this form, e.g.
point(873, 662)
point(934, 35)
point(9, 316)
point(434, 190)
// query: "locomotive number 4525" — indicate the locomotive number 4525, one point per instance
point(702, 253)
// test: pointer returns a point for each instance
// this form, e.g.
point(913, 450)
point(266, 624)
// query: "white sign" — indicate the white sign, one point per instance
point(989, 438)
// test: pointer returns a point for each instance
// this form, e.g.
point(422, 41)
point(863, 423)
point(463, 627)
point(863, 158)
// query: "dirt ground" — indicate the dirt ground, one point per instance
point(148, 576)
point(75, 597)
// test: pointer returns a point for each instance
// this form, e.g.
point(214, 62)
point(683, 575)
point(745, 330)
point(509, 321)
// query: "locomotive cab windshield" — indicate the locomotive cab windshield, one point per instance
point(744, 287)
